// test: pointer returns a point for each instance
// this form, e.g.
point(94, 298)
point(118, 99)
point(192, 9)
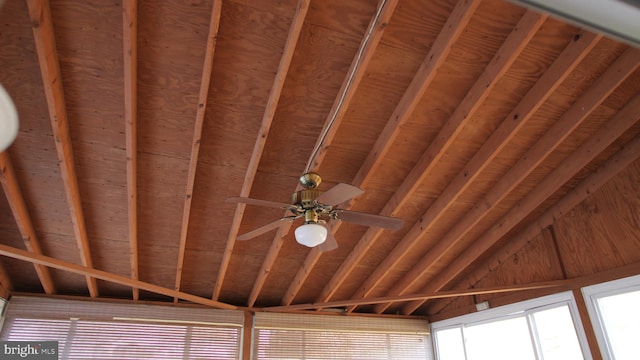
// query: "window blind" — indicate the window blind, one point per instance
point(90, 329)
point(301, 336)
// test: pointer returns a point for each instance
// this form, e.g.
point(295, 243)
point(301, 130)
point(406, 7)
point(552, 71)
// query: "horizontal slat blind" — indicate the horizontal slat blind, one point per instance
point(299, 336)
point(39, 306)
point(89, 329)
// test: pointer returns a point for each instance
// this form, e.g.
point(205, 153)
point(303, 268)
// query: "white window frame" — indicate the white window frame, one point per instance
point(593, 292)
point(523, 308)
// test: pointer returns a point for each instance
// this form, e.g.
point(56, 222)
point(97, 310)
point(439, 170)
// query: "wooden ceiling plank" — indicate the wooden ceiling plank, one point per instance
point(207, 69)
point(452, 29)
point(497, 67)
point(575, 51)
point(623, 158)
point(350, 85)
point(424, 296)
point(21, 215)
point(606, 135)
point(267, 120)
point(107, 276)
point(130, 53)
point(43, 33)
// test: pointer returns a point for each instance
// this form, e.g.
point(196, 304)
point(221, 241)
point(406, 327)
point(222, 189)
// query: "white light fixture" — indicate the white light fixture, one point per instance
point(311, 234)
point(8, 120)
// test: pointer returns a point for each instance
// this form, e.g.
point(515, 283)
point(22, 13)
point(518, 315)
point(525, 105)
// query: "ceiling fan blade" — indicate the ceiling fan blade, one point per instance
point(330, 243)
point(339, 194)
point(250, 201)
point(385, 222)
point(261, 230)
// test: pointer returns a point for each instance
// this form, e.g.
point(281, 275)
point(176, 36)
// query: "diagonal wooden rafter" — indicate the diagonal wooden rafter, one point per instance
point(336, 114)
point(560, 130)
point(606, 135)
point(357, 69)
point(356, 72)
point(278, 240)
point(558, 285)
point(107, 276)
point(130, 54)
point(571, 119)
point(263, 133)
point(562, 284)
point(350, 85)
point(18, 207)
point(207, 69)
point(620, 161)
point(453, 27)
point(42, 26)
point(497, 67)
point(550, 80)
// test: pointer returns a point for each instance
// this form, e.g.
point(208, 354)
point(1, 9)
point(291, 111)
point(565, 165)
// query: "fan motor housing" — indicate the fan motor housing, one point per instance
point(305, 197)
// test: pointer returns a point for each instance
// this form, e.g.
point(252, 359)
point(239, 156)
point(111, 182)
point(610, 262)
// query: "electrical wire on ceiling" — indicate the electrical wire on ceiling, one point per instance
point(350, 78)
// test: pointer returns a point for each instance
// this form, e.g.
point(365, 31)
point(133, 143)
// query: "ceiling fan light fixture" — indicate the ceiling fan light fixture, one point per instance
point(8, 120)
point(311, 234)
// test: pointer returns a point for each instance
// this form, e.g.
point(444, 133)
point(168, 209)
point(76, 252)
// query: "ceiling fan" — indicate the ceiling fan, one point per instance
point(316, 207)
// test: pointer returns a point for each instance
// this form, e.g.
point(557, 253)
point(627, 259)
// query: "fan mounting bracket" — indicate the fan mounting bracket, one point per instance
point(310, 180)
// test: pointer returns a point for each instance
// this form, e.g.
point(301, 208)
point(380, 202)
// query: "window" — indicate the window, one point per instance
point(613, 309)
point(89, 329)
point(298, 336)
point(544, 328)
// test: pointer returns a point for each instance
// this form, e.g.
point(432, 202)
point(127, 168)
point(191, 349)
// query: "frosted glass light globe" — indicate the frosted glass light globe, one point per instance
point(8, 120)
point(311, 234)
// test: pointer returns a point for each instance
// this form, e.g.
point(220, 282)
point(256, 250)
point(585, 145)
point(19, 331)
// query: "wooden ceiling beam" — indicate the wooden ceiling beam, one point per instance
point(5, 283)
point(207, 69)
point(350, 85)
point(575, 285)
point(496, 68)
point(561, 284)
point(607, 134)
point(43, 33)
point(130, 54)
point(21, 215)
point(620, 161)
point(452, 29)
point(256, 155)
point(575, 51)
point(107, 276)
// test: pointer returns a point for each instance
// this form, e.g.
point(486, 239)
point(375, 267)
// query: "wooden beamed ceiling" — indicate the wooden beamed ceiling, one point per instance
point(479, 123)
